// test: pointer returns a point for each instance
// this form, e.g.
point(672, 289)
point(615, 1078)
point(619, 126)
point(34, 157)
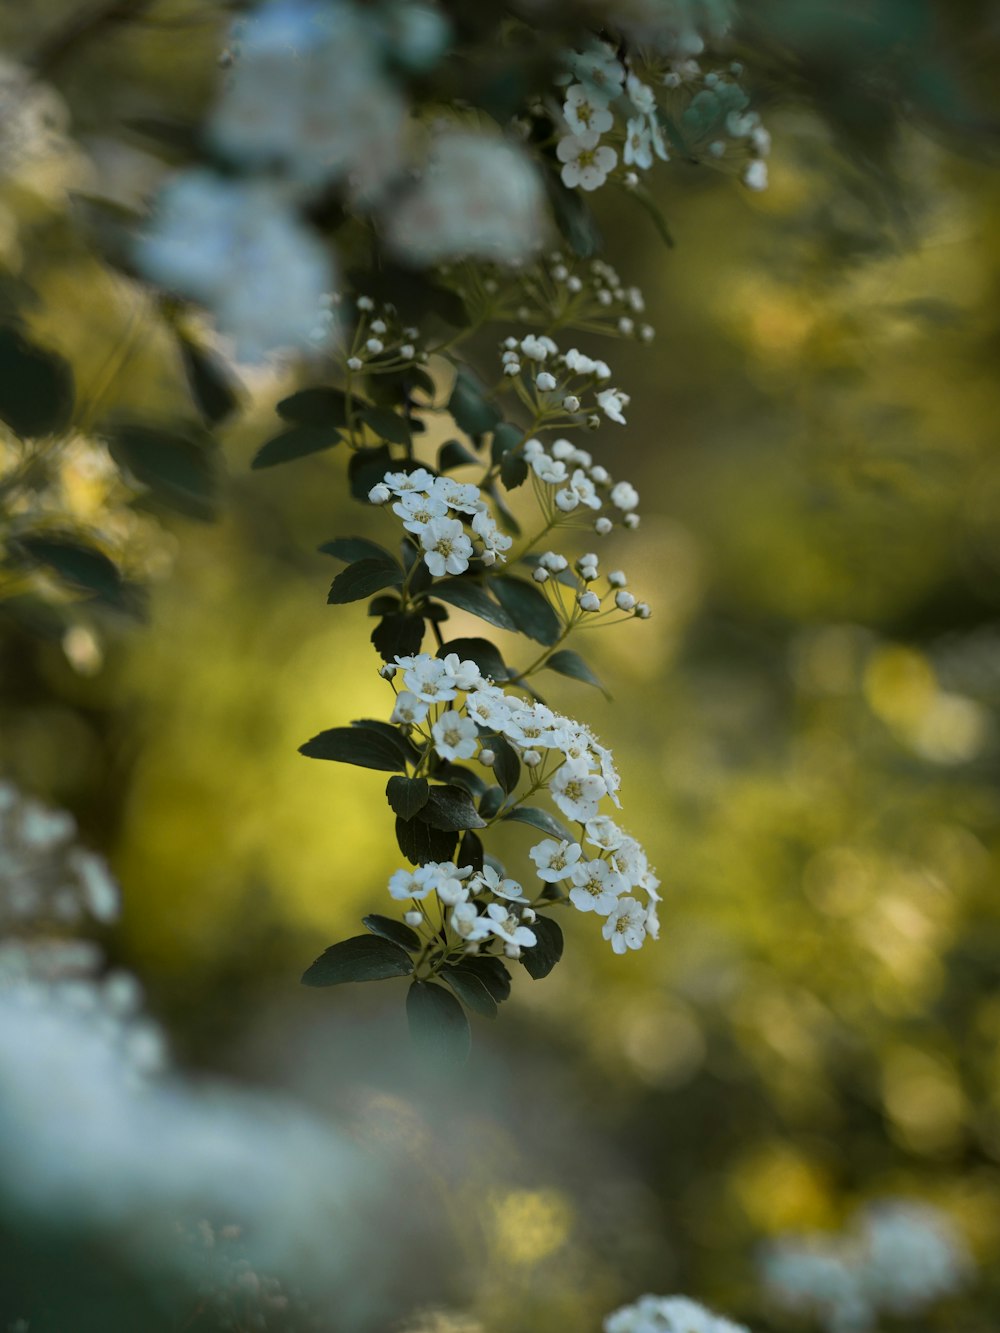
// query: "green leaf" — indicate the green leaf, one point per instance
point(36, 387)
point(355, 745)
point(385, 605)
point(491, 801)
point(453, 455)
point(178, 465)
point(485, 655)
point(406, 749)
point(350, 549)
point(574, 218)
point(505, 438)
point(471, 990)
point(513, 471)
point(398, 635)
point(450, 808)
point(388, 425)
point(507, 766)
point(396, 932)
point(363, 578)
point(297, 442)
point(366, 468)
point(438, 1025)
point(407, 795)
point(569, 663)
point(469, 405)
point(461, 777)
point(420, 843)
point(542, 957)
point(507, 520)
point(79, 564)
point(528, 609)
point(539, 819)
point(491, 972)
point(470, 851)
point(319, 406)
point(362, 958)
point(471, 597)
point(214, 387)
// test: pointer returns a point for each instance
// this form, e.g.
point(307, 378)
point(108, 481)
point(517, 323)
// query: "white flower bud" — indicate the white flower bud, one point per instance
point(528, 915)
point(487, 757)
point(379, 494)
point(599, 474)
point(593, 421)
point(545, 382)
point(560, 273)
point(354, 363)
point(574, 284)
point(632, 521)
point(624, 600)
point(407, 351)
point(374, 345)
point(378, 326)
point(414, 918)
point(626, 326)
point(590, 558)
point(531, 758)
point(571, 403)
point(554, 562)
point(647, 333)
point(589, 601)
point(603, 526)
point(488, 557)
point(365, 303)
point(540, 574)
point(512, 368)
point(642, 610)
point(510, 344)
point(617, 578)
point(388, 671)
point(631, 180)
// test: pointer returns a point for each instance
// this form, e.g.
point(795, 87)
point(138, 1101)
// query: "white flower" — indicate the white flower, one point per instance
point(459, 495)
point(489, 707)
point(626, 926)
point(417, 509)
point(638, 144)
point(586, 110)
point(538, 347)
point(466, 922)
point(463, 674)
point(668, 1314)
point(455, 736)
point(604, 833)
point(624, 496)
point(755, 175)
point(611, 403)
point(576, 791)
point(507, 927)
point(428, 678)
point(549, 470)
point(555, 860)
point(403, 482)
point(409, 709)
point(641, 96)
point(586, 162)
point(490, 879)
point(596, 887)
point(630, 860)
point(495, 542)
point(447, 548)
point(410, 883)
point(598, 67)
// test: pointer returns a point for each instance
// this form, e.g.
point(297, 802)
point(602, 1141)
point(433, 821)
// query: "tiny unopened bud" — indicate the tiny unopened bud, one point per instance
point(488, 557)
point(599, 474)
point(632, 521)
point(647, 333)
point(571, 403)
point(510, 344)
point(528, 915)
point(414, 918)
point(642, 610)
point(379, 493)
point(624, 600)
point(531, 758)
point(378, 326)
point(545, 382)
point(487, 757)
point(365, 303)
point(603, 526)
point(593, 421)
point(374, 345)
point(574, 284)
point(617, 578)
point(354, 363)
point(631, 180)
point(512, 368)
point(407, 351)
point(589, 601)
point(589, 558)
point(626, 326)
point(388, 671)
point(540, 574)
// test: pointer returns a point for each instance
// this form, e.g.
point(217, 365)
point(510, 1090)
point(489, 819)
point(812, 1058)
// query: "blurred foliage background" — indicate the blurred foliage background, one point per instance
point(807, 728)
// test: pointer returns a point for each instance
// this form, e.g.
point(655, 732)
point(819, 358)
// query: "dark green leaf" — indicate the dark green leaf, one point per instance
point(386, 605)
point(569, 663)
point(350, 549)
point(407, 795)
point(471, 990)
point(80, 565)
point(574, 218)
point(388, 425)
point(363, 578)
point(471, 597)
point(354, 745)
point(420, 843)
point(485, 655)
point(539, 819)
point(469, 405)
point(398, 635)
point(393, 735)
point(527, 606)
point(470, 851)
point(394, 931)
point(542, 957)
point(296, 442)
point(461, 777)
point(507, 766)
point(320, 406)
point(366, 469)
point(214, 387)
point(491, 972)
point(513, 471)
point(178, 465)
point(453, 455)
point(505, 438)
point(507, 520)
point(36, 387)
point(450, 808)
point(492, 800)
point(362, 958)
point(438, 1025)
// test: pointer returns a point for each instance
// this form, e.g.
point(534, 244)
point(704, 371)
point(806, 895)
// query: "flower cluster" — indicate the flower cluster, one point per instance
point(551, 381)
point(381, 342)
point(668, 1314)
point(898, 1258)
point(446, 517)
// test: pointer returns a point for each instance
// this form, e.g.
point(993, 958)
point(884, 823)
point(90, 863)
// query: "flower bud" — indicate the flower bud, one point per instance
point(617, 578)
point(388, 671)
point(571, 403)
point(589, 601)
point(540, 574)
point(603, 526)
point(642, 610)
point(487, 757)
point(414, 918)
point(632, 521)
point(531, 758)
point(545, 382)
point(624, 600)
point(379, 494)
point(374, 345)
point(354, 363)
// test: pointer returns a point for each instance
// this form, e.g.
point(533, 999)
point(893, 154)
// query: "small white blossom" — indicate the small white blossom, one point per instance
point(555, 860)
point(410, 883)
point(626, 926)
point(428, 678)
point(604, 833)
point(447, 548)
point(466, 922)
point(507, 927)
point(586, 110)
point(455, 736)
point(624, 496)
point(409, 709)
point(491, 879)
point(576, 791)
point(612, 402)
point(596, 887)
point(586, 162)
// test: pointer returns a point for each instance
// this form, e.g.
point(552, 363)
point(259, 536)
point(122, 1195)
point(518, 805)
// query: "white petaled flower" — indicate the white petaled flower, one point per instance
point(417, 509)
point(507, 926)
point(463, 673)
point(538, 347)
point(459, 495)
point(489, 878)
point(624, 496)
point(447, 548)
point(409, 709)
point(455, 736)
point(640, 95)
point(596, 887)
point(428, 678)
point(586, 110)
point(466, 922)
point(489, 707)
point(612, 402)
point(494, 541)
point(755, 175)
point(576, 791)
point(586, 161)
point(598, 67)
point(555, 860)
point(626, 926)
point(638, 151)
point(410, 883)
point(668, 1314)
point(550, 470)
point(401, 483)
point(604, 833)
